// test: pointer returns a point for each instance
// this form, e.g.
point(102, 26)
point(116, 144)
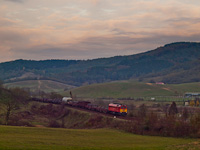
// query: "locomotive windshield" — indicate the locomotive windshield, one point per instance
point(123, 107)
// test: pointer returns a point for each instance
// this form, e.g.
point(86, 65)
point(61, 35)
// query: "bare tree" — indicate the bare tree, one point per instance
point(54, 95)
point(173, 109)
point(142, 111)
point(11, 100)
point(185, 114)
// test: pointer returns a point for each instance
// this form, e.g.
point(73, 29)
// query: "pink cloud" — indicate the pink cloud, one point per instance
point(94, 28)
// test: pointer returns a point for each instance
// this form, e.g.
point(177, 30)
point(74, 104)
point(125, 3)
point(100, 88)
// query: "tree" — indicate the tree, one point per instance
point(11, 100)
point(142, 112)
point(173, 109)
point(1, 83)
point(54, 95)
point(152, 81)
point(185, 114)
point(20, 95)
point(7, 103)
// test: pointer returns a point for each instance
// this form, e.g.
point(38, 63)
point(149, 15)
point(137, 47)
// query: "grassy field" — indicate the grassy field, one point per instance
point(20, 138)
point(42, 85)
point(133, 89)
point(118, 89)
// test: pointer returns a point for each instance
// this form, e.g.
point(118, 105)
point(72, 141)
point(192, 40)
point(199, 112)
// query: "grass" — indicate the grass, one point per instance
point(121, 89)
point(118, 89)
point(42, 85)
point(96, 139)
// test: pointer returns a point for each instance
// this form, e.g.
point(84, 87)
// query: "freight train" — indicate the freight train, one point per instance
point(113, 108)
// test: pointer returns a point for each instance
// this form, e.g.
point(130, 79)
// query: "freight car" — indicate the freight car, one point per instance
point(47, 100)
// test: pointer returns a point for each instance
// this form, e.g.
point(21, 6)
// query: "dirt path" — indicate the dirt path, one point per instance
point(168, 89)
point(149, 83)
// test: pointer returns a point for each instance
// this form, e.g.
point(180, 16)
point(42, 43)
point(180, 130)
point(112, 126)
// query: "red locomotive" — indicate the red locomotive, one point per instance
point(117, 109)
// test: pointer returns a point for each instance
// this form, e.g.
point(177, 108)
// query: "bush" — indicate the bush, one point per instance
point(54, 124)
point(96, 121)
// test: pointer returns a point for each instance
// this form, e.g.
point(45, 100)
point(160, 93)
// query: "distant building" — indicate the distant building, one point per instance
point(160, 83)
point(192, 94)
point(195, 102)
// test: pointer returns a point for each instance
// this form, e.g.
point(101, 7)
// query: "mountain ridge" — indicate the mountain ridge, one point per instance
point(166, 64)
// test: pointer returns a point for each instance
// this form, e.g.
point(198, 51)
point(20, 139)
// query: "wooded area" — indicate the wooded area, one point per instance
point(173, 63)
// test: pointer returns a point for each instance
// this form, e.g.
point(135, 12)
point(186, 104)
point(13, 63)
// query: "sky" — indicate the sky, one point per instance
point(88, 29)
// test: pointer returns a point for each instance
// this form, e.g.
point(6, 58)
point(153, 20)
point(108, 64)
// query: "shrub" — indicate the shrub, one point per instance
point(54, 124)
point(96, 121)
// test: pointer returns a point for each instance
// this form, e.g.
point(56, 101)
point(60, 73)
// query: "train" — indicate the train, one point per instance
point(113, 108)
point(117, 109)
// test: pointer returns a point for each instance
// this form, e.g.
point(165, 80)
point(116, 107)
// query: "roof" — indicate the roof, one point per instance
point(114, 105)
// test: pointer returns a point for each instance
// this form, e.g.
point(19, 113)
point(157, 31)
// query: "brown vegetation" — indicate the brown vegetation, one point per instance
point(168, 121)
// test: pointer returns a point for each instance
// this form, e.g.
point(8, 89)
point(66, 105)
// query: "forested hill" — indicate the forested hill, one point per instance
point(172, 63)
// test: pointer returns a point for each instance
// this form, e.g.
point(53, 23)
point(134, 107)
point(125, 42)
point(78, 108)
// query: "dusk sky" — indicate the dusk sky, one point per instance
point(87, 29)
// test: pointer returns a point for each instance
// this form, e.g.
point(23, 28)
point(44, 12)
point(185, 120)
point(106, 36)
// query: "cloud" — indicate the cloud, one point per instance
point(16, 1)
point(93, 28)
point(5, 22)
point(96, 47)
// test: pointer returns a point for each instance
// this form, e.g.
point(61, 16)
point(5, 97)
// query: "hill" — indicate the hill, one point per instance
point(133, 89)
point(172, 63)
point(76, 139)
point(40, 85)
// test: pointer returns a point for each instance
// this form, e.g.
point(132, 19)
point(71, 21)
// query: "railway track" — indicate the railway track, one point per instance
point(59, 102)
point(100, 113)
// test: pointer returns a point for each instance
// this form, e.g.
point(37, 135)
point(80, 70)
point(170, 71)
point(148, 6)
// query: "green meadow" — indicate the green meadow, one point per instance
point(122, 89)
point(118, 89)
point(32, 138)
